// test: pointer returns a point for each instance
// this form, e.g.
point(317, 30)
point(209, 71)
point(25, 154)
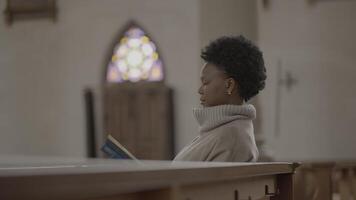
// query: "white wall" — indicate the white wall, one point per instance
point(316, 44)
point(44, 67)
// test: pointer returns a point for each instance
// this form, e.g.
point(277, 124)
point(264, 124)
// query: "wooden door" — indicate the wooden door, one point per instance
point(140, 117)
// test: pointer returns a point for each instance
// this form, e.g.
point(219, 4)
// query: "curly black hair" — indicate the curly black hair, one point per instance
point(241, 59)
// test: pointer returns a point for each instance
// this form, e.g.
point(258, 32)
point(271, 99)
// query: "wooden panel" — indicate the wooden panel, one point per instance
point(313, 182)
point(285, 187)
point(30, 9)
point(140, 117)
point(162, 194)
point(325, 181)
point(241, 189)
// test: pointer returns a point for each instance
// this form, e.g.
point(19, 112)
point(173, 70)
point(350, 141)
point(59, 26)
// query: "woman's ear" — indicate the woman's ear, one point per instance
point(230, 85)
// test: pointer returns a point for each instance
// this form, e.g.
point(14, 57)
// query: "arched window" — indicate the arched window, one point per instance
point(135, 58)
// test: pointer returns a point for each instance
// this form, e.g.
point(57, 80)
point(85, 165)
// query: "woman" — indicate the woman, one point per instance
point(233, 73)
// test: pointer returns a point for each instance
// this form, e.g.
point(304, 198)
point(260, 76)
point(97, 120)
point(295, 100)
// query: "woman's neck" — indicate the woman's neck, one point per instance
point(235, 100)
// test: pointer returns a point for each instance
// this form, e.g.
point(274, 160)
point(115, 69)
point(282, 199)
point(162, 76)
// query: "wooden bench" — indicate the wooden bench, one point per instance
point(325, 181)
point(115, 179)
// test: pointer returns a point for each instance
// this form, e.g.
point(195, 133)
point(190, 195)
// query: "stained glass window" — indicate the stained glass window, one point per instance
point(135, 58)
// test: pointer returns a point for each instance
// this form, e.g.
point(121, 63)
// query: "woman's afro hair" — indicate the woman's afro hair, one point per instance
point(239, 59)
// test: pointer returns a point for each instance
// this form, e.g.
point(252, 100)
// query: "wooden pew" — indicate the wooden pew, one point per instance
point(344, 177)
point(99, 179)
point(325, 181)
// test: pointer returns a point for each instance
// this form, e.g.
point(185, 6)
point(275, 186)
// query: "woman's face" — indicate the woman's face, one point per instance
point(213, 89)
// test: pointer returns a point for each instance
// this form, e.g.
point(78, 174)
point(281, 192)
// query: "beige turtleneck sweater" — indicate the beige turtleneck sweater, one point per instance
point(225, 135)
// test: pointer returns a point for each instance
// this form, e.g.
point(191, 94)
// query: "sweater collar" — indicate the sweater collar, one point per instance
point(212, 117)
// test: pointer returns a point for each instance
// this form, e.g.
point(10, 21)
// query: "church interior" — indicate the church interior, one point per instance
point(75, 89)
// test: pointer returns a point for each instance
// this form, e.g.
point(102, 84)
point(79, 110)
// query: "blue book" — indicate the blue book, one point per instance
point(114, 149)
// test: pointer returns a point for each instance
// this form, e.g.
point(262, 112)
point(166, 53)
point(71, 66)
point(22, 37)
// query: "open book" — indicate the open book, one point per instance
point(114, 149)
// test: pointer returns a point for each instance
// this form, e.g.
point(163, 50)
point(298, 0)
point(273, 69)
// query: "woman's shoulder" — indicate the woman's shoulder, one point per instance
point(233, 135)
point(238, 127)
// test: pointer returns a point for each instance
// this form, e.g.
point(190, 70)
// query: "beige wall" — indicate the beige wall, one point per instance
point(227, 17)
point(316, 44)
point(44, 67)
